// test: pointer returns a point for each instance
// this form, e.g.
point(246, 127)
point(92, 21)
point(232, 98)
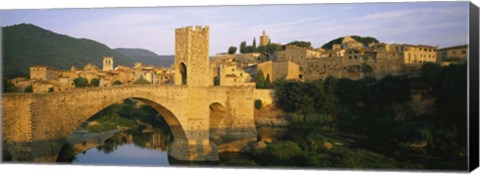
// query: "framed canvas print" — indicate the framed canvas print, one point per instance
point(388, 86)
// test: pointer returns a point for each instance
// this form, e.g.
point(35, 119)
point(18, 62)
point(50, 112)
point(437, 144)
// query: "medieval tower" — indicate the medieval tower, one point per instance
point(264, 39)
point(107, 63)
point(191, 56)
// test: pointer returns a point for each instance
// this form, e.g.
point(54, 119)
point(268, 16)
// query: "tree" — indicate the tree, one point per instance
point(254, 44)
point(95, 82)
point(117, 82)
point(431, 72)
point(232, 50)
point(303, 44)
point(260, 80)
point(80, 82)
point(268, 83)
point(8, 86)
point(141, 81)
point(28, 89)
point(249, 49)
point(243, 45)
point(328, 103)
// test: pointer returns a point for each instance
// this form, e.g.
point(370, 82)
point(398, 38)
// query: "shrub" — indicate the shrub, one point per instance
point(117, 82)
point(80, 82)
point(28, 89)
point(258, 104)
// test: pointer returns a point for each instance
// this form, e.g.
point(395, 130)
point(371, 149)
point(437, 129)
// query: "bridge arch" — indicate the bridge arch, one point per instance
point(176, 128)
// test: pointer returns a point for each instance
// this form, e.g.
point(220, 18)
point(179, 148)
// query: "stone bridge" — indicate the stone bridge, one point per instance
point(203, 120)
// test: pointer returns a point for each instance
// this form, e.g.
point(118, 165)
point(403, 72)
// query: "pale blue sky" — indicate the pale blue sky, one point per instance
point(431, 23)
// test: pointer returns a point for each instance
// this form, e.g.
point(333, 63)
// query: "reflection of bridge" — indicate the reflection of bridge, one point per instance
point(203, 119)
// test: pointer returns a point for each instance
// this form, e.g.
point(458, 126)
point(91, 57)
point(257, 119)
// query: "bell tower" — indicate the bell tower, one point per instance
point(107, 64)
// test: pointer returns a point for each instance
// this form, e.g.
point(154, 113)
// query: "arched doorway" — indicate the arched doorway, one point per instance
point(183, 72)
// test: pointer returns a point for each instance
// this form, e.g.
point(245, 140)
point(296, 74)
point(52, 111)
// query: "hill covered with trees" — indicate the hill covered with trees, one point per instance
point(146, 57)
point(364, 40)
point(27, 44)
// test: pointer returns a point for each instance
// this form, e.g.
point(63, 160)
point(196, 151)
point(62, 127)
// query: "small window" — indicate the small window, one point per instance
point(454, 52)
point(464, 52)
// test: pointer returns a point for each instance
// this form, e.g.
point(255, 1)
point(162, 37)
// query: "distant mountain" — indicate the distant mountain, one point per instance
point(26, 44)
point(365, 40)
point(146, 57)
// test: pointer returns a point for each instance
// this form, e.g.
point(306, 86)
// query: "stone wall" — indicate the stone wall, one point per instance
point(267, 96)
point(353, 68)
point(286, 70)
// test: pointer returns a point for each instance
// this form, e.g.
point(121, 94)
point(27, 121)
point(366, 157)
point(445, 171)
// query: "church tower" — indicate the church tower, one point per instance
point(192, 66)
point(107, 64)
point(264, 39)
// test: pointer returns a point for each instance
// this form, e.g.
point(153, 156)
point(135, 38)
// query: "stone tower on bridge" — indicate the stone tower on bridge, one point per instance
point(191, 56)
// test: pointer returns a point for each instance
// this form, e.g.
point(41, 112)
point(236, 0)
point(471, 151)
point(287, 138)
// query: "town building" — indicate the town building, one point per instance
point(454, 52)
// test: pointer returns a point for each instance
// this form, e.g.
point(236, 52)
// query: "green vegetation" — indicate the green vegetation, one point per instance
point(243, 46)
point(268, 83)
point(125, 116)
point(303, 44)
point(232, 50)
point(364, 40)
point(145, 56)
point(95, 82)
point(258, 104)
point(25, 45)
point(269, 49)
point(141, 81)
point(80, 82)
point(117, 82)
point(110, 122)
point(260, 80)
point(50, 89)
point(370, 123)
point(8, 86)
point(254, 44)
point(28, 89)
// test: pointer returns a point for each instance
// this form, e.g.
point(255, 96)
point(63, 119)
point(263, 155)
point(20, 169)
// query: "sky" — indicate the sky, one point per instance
point(429, 23)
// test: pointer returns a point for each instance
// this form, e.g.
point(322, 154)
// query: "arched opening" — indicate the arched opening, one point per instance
point(124, 131)
point(217, 123)
point(183, 72)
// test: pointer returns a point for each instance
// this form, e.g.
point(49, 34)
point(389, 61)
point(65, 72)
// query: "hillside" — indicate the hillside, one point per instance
point(365, 40)
point(146, 57)
point(26, 44)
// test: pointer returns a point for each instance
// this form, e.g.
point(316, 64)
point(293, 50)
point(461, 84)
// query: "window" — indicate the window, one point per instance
point(464, 52)
point(454, 52)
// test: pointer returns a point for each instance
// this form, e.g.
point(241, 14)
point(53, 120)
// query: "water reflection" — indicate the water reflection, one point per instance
point(123, 148)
